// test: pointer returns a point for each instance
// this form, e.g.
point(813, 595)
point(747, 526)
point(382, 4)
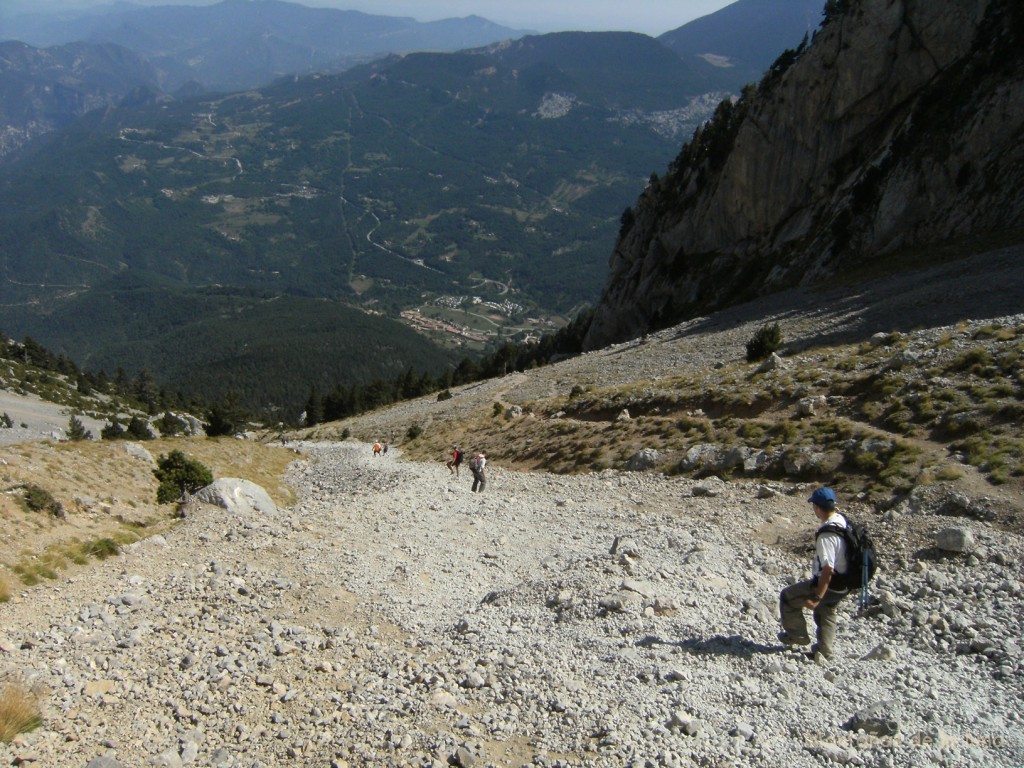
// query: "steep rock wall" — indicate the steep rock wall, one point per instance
point(898, 129)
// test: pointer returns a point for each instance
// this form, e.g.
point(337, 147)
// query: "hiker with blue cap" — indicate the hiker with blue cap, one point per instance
point(826, 588)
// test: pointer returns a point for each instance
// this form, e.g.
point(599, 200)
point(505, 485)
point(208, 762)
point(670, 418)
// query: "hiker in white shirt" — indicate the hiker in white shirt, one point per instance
point(827, 586)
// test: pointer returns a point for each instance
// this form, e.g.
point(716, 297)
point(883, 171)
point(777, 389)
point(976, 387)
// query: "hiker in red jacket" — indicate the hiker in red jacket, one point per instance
point(455, 461)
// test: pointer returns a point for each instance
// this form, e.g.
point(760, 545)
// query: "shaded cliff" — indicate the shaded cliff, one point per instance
point(896, 132)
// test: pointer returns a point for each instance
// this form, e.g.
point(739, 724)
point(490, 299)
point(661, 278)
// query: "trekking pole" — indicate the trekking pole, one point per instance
point(864, 584)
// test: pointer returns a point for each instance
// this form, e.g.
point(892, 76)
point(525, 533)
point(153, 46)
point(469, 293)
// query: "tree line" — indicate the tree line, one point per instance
point(227, 415)
point(345, 401)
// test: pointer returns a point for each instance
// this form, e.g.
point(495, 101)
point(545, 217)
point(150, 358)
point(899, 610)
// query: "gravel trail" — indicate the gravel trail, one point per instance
point(391, 617)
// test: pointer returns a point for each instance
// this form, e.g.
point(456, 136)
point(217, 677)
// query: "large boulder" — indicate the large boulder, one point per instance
point(959, 540)
point(237, 495)
point(645, 458)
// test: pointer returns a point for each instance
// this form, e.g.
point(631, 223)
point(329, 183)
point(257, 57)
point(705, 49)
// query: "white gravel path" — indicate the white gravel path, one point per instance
point(391, 617)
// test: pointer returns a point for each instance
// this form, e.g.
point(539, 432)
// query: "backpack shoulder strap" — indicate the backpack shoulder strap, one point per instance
point(832, 528)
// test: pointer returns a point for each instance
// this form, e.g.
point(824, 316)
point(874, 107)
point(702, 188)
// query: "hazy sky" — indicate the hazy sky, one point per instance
point(652, 17)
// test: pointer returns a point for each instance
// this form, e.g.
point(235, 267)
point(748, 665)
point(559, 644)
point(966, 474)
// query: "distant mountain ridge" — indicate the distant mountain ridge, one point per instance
point(895, 136)
point(239, 44)
point(746, 36)
point(45, 89)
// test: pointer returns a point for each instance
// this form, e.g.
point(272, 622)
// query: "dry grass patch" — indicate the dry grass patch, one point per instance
point(19, 712)
point(109, 497)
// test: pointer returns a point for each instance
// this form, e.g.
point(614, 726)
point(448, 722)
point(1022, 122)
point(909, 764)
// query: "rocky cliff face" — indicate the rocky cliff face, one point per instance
point(897, 131)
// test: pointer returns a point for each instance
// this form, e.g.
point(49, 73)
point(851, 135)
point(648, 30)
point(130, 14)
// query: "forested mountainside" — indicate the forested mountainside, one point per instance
point(745, 37)
point(894, 139)
point(478, 191)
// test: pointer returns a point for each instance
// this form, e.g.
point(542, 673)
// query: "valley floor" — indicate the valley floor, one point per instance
point(392, 618)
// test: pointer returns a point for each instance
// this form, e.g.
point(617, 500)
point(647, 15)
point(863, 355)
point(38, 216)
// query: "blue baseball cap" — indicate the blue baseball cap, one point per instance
point(823, 497)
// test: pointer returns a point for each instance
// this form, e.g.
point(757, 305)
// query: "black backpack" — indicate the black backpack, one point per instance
point(861, 558)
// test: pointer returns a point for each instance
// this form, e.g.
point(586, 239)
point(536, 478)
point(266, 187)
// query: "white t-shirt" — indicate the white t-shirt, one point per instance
point(830, 548)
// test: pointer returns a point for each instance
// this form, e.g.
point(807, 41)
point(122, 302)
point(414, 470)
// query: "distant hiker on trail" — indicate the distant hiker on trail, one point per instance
point(377, 449)
point(384, 450)
point(455, 461)
point(476, 466)
point(827, 586)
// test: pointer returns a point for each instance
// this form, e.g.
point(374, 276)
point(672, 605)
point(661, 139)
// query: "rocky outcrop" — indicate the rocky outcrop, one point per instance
point(898, 129)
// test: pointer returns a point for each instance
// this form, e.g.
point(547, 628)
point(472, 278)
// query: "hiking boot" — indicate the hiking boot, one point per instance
point(818, 658)
point(818, 655)
point(786, 639)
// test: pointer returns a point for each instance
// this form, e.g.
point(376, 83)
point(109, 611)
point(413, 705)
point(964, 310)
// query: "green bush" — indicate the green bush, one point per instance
point(767, 339)
point(413, 432)
point(41, 500)
point(139, 429)
point(101, 549)
point(113, 431)
point(178, 475)
point(444, 395)
point(77, 430)
point(169, 425)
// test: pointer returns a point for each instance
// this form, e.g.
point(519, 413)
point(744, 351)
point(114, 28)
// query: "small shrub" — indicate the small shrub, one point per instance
point(867, 462)
point(976, 361)
point(77, 431)
point(751, 431)
point(414, 431)
point(767, 339)
point(101, 549)
point(19, 712)
point(112, 431)
point(444, 395)
point(170, 425)
point(497, 409)
point(784, 433)
point(6, 422)
point(178, 475)
point(997, 332)
point(139, 429)
point(900, 420)
point(41, 500)
point(346, 433)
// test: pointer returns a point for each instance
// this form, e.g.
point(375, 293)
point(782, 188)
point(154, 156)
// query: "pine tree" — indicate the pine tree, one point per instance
point(178, 475)
point(77, 430)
